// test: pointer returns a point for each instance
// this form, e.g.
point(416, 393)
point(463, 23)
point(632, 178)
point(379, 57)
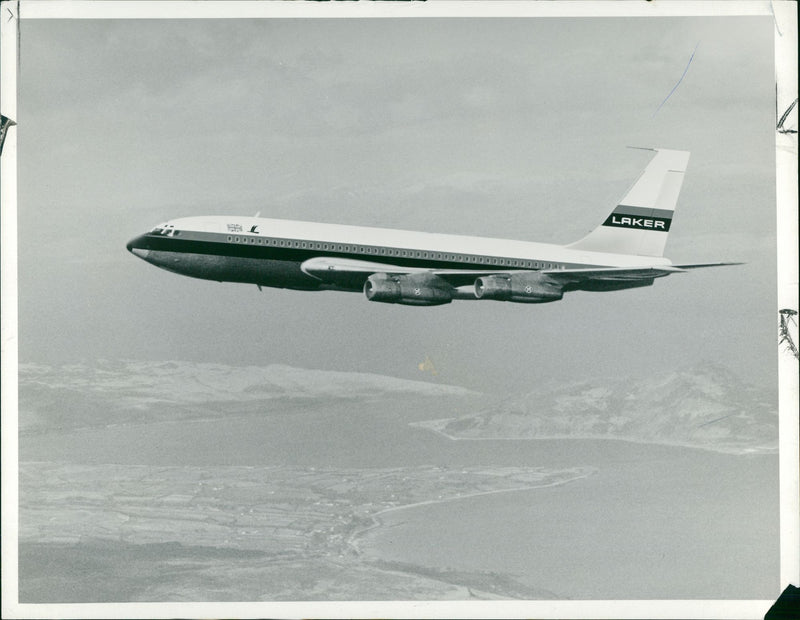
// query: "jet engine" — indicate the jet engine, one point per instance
point(521, 287)
point(418, 289)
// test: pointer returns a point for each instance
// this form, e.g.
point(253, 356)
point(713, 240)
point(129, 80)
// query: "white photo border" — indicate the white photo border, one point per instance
point(785, 17)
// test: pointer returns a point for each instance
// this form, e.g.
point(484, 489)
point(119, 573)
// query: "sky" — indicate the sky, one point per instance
point(510, 128)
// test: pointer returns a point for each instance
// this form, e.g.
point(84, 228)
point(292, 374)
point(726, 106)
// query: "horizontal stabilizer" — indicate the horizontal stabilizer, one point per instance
point(702, 265)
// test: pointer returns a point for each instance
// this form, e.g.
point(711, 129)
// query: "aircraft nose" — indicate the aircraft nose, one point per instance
point(138, 247)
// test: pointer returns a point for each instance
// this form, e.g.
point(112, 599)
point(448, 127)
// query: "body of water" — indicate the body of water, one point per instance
point(652, 522)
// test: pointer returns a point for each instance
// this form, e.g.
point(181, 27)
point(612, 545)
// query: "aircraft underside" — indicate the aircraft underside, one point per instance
point(419, 289)
point(260, 271)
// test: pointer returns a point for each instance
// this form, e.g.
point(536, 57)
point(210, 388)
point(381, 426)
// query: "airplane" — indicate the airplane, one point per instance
point(429, 269)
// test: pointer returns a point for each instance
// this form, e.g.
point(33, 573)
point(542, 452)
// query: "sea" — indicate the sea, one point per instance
point(652, 522)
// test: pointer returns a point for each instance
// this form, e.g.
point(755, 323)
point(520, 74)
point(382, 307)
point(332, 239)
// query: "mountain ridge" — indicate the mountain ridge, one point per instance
point(705, 406)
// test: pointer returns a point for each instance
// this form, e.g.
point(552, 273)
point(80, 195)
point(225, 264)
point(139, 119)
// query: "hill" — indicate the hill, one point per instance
point(704, 406)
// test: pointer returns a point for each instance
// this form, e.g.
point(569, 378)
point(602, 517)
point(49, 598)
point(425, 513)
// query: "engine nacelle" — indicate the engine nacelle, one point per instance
point(493, 287)
point(524, 287)
point(422, 289)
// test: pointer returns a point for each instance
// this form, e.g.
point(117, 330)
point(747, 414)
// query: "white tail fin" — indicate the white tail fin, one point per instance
point(640, 223)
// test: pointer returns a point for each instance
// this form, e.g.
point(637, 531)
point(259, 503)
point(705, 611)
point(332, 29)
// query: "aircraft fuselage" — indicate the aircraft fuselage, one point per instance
point(271, 252)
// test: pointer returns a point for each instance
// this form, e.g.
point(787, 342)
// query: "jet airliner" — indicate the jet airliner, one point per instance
point(427, 269)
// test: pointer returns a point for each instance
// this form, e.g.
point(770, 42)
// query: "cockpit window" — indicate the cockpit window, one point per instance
point(164, 229)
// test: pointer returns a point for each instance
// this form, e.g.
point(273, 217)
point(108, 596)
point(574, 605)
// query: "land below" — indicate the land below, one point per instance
point(191, 482)
point(262, 524)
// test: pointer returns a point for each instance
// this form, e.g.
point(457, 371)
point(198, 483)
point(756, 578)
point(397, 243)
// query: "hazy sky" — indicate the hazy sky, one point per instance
point(511, 128)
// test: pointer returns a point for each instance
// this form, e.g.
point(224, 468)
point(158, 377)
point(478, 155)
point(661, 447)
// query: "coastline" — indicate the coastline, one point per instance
point(436, 426)
point(358, 533)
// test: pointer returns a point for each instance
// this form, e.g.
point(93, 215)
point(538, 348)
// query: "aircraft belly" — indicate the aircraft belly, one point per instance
point(264, 272)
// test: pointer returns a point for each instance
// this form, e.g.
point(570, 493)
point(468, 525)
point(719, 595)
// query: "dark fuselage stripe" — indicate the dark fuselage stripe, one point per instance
point(269, 248)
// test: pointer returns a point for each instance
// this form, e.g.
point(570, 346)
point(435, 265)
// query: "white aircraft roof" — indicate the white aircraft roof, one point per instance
point(429, 242)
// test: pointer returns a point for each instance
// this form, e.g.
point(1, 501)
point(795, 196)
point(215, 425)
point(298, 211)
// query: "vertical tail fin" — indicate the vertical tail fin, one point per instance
point(640, 223)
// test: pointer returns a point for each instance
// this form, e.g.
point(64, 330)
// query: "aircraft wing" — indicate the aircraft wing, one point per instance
point(323, 267)
point(623, 273)
point(344, 269)
point(336, 270)
point(609, 274)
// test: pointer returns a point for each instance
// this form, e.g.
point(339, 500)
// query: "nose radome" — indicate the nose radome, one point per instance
point(138, 247)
